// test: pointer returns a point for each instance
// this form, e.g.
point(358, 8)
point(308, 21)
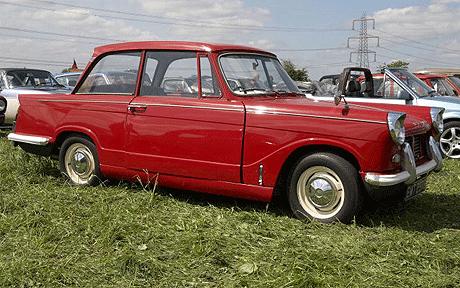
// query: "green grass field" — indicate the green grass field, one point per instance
point(124, 235)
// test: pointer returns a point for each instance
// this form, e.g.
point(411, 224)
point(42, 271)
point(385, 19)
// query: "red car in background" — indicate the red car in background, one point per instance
point(441, 83)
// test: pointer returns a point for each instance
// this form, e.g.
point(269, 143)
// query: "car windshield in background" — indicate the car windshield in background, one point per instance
point(455, 80)
point(249, 74)
point(30, 78)
point(417, 85)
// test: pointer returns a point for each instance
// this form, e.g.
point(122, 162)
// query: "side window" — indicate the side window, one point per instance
point(113, 74)
point(170, 73)
point(391, 88)
point(181, 78)
point(209, 84)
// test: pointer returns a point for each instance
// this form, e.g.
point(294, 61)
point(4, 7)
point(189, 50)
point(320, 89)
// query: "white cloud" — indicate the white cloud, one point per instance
point(211, 18)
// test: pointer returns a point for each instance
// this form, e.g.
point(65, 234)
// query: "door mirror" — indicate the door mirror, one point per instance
point(404, 95)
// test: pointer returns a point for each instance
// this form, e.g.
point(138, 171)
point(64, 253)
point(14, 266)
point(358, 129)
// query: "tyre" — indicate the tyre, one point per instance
point(450, 140)
point(324, 187)
point(79, 161)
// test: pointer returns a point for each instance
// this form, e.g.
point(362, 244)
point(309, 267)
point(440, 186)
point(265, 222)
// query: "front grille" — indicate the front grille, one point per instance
point(418, 144)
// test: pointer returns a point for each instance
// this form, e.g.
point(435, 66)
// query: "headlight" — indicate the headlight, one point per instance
point(396, 127)
point(436, 119)
point(2, 105)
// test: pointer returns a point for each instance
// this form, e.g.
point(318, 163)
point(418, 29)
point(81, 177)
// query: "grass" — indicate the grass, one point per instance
point(53, 234)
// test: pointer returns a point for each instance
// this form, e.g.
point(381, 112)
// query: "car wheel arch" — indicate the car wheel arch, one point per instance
point(64, 134)
point(299, 153)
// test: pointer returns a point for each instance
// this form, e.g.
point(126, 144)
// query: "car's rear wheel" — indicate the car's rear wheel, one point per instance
point(450, 140)
point(79, 161)
point(324, 187)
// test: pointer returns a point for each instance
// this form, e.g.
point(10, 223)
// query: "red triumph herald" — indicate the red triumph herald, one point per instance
point(227, 119)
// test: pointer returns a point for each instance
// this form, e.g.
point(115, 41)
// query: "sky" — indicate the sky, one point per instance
point(49, 34)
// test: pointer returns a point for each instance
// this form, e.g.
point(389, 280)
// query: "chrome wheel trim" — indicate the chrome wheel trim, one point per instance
point(79, 163)
point(320, 192)
point(450, 142)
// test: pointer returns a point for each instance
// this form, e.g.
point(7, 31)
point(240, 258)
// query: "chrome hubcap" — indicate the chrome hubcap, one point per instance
point(79, 163)
point(320, 192)
point(450, 142)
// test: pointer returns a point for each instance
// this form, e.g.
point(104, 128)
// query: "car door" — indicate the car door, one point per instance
point(180, 124)
point(100, 107)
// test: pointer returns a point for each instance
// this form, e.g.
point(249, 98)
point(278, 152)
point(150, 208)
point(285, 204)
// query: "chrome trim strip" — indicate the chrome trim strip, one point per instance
point(86, 101)
point(29, 139)
point(314, 116)
point(190, 106)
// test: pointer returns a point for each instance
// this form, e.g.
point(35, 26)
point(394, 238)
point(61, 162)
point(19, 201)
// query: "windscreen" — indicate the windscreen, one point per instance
point(417, 85)
point(30, 78)
point(252, 74)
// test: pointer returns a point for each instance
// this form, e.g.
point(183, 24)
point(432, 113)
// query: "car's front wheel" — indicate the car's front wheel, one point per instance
point(450, 140)
point(324, 187)
point(79, 161)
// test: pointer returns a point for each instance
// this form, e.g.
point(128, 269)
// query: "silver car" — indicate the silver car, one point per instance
point(15, 81)
point(399, 86)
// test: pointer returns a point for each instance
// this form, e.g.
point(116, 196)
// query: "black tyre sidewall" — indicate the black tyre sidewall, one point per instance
point(97, 176)
point(447, 126)
point(347, 174)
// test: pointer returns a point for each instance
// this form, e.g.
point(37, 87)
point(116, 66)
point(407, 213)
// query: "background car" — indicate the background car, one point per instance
point(2, 110)
point(68, 79)
point(440, 83)
point(399, 86)
point(15, 81)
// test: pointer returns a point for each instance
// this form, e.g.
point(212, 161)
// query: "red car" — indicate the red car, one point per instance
point(441, 83)
point(244, 130)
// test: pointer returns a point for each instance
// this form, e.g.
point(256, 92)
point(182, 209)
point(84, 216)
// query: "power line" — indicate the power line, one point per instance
point(47, 39)
point(417, 42)
point(418, 57)
point(189, 23)
point(309, 49)
point(57, 34)
point(36, 60)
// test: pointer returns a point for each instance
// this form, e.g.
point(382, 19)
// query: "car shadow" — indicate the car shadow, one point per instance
point(426, 213)
point(278, 206)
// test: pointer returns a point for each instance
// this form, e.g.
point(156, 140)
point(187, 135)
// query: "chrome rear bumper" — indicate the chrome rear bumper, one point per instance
point(410, 171)
point(29, 139)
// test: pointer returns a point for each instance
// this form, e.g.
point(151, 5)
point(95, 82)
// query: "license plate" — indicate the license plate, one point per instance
point(415, 189)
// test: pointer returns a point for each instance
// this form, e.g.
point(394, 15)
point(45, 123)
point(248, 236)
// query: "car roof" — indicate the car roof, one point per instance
point(175, 45)
point(430, 76)
point(22, 69)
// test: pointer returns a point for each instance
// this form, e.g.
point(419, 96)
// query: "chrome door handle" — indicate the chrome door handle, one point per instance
point(137, 108)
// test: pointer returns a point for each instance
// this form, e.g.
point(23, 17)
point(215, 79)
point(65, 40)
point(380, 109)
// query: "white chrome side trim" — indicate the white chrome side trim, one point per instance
point(190, 106)
point(28, 139)
point(315, 116)
point(85, 101)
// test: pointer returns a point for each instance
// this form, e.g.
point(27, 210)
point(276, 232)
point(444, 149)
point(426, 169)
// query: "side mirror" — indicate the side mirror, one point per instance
point(337, 99)
point(404, 95)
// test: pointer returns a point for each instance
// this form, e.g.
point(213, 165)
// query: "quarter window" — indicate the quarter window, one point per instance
point(113, 74)
point(209, 85)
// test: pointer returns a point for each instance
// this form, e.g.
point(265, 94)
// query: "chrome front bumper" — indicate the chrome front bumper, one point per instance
point(410, 171)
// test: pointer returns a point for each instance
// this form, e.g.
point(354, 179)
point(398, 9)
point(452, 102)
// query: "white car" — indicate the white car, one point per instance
point(15, 81)
point(399, 86)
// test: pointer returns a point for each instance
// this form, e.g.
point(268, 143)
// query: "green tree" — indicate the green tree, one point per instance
point(295, 73)
point(398, 64)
